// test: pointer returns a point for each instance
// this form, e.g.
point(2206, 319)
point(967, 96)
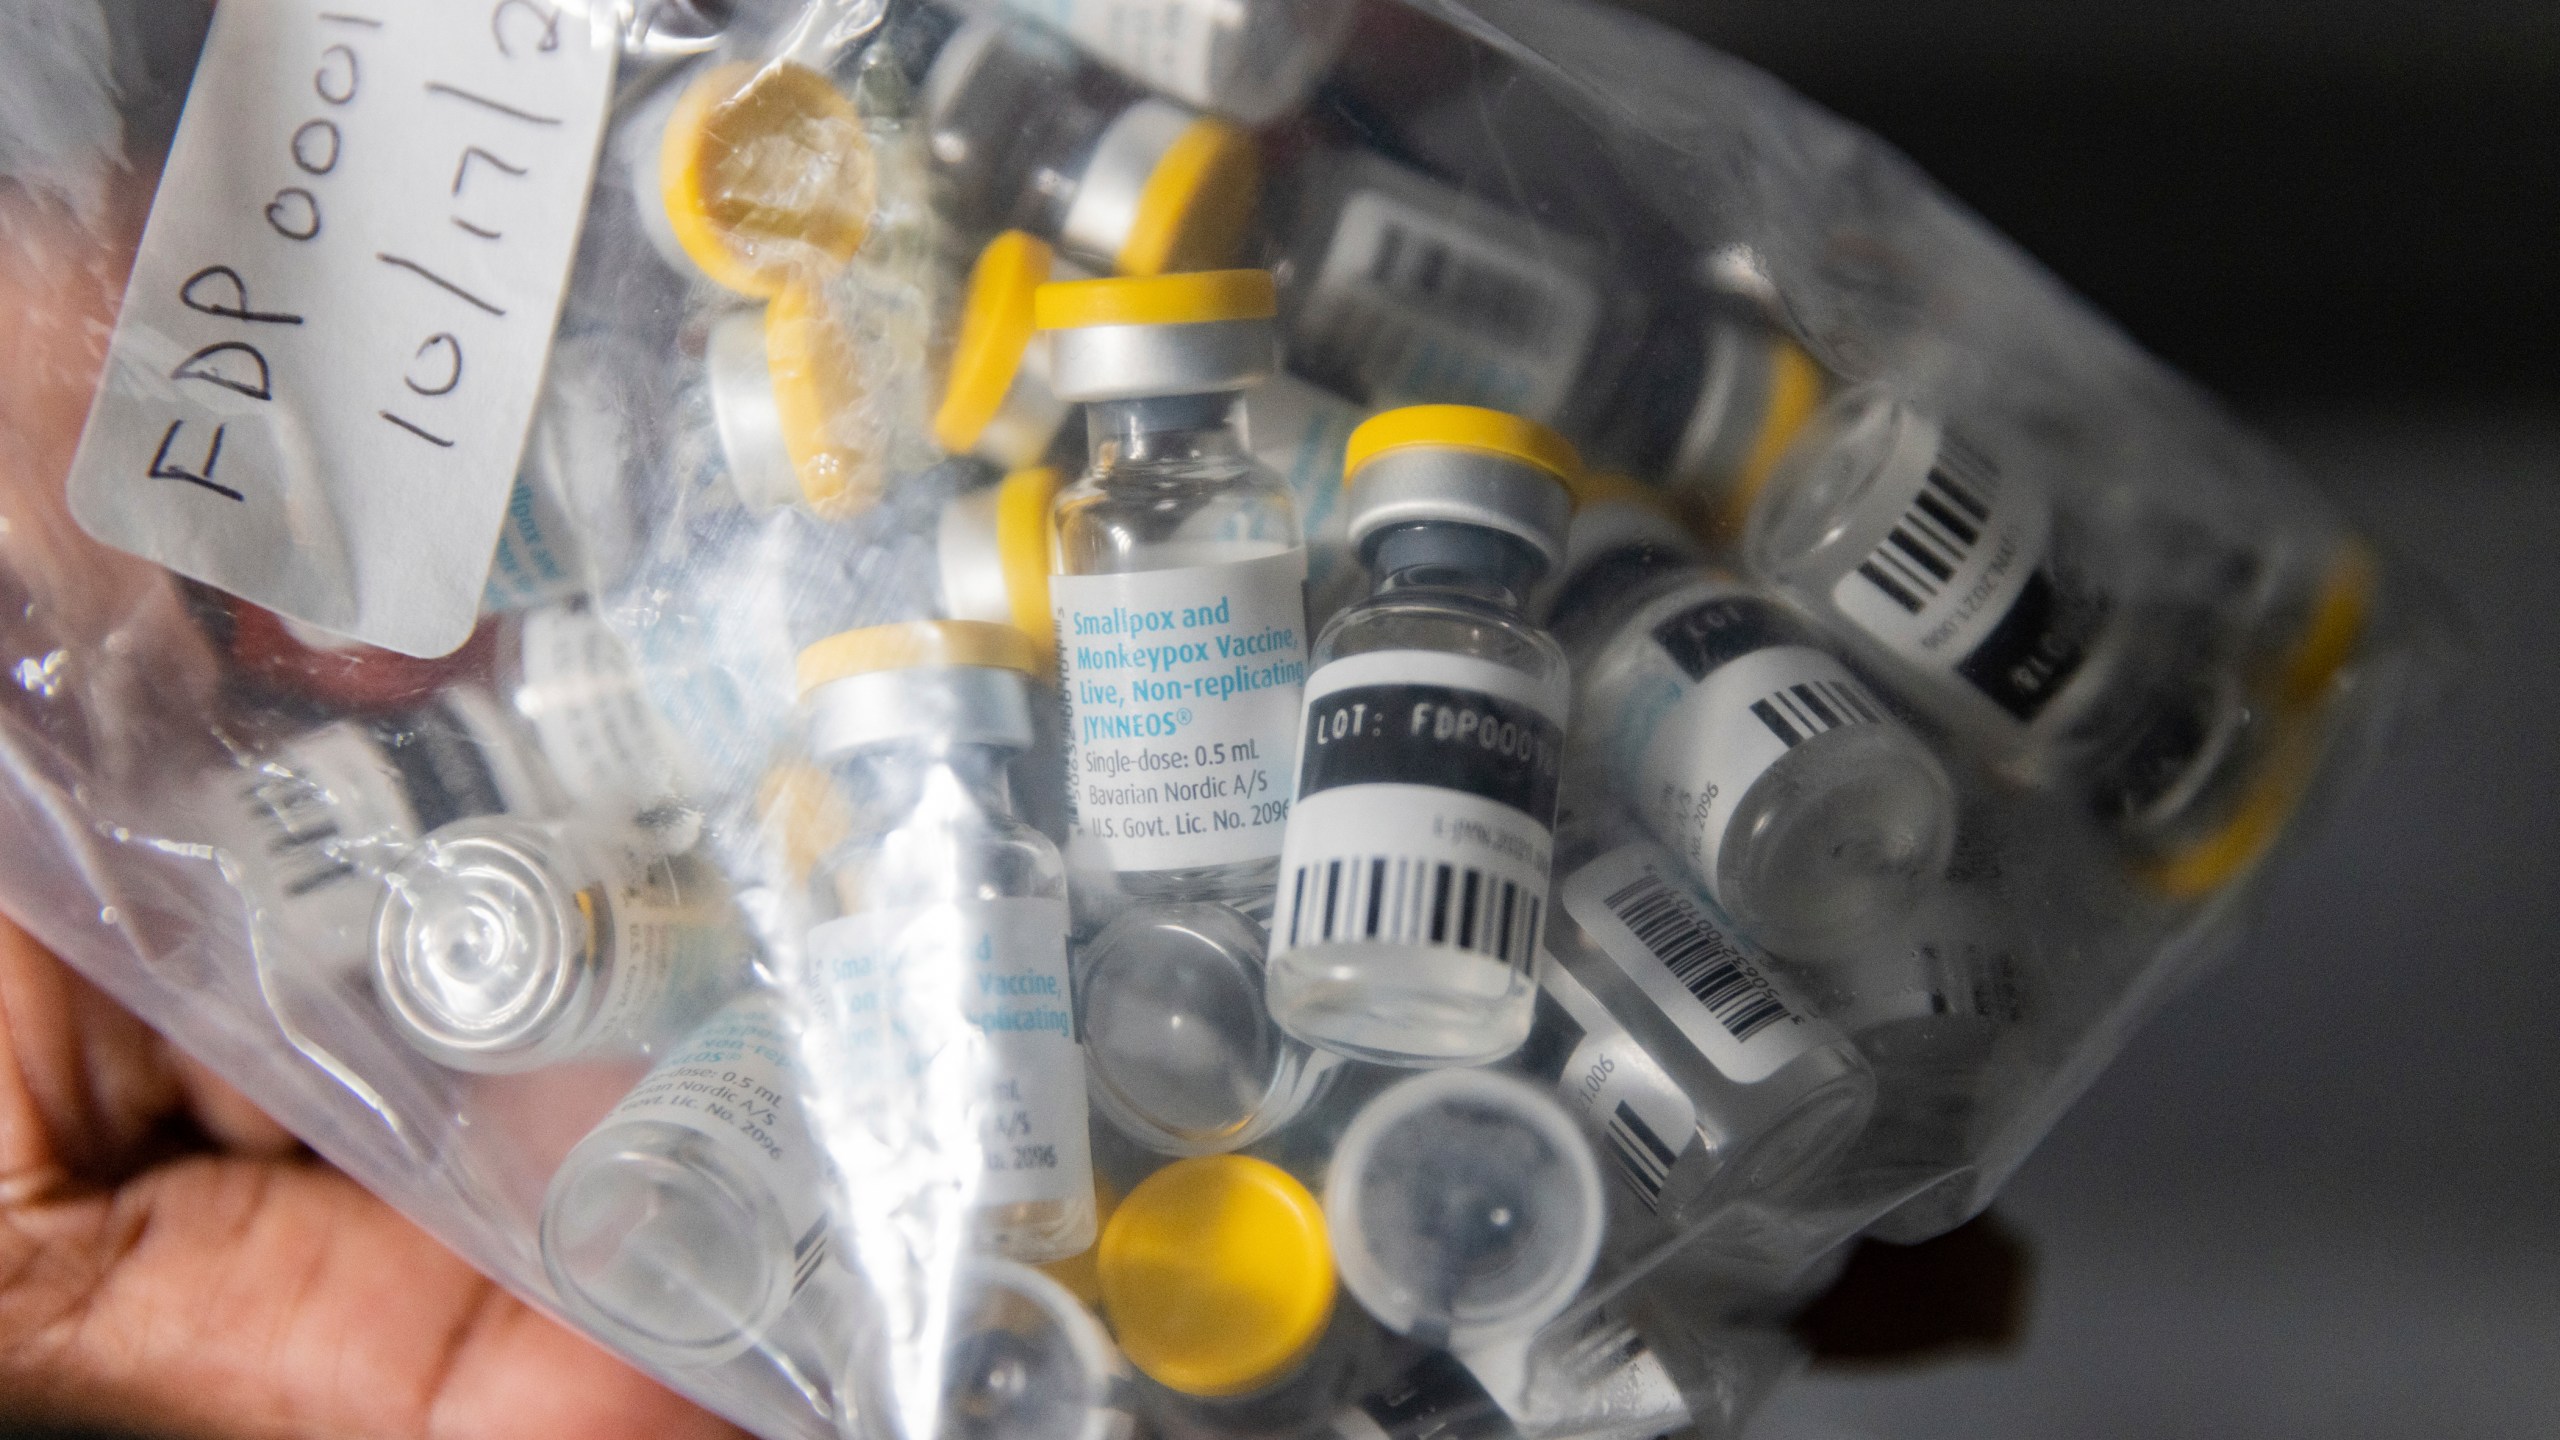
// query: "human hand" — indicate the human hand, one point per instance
point(172, 1262)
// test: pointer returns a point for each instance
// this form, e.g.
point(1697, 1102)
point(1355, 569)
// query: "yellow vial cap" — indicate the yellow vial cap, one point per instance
point(765, 171)
point(1201, 298)
point(995, 335)
point(1198, 203)
point(1022, 547)
point(2333, 632)
point(1217, 1275)
point(818, 399)
point(1464, 427)
point(917, 645)
point(1795, 392)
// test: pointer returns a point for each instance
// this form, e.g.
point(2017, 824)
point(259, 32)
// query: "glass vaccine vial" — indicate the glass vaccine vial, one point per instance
point(1680, 1050)
point(943, 933)
point(503, 945)
point(1722, 722)
point(791, 406)
point(1176, 589)
point(691, 1219)
point(1029, 137)
point(1962, 580)
point(999, 404)
point(1254, 60)
point(1466, 1209)
point(750, 176)
point(1024, 1360)
point(1181, 1054)
point(1413, 883)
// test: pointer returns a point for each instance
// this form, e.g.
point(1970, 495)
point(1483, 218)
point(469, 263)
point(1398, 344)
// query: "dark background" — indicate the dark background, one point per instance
point(2320, 1197)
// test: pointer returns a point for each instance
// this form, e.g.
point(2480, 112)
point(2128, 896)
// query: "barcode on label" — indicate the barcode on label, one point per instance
point(808, 1254)
point(1698, 956)
point(1641, 1156)
point(300, 821)
point(1797, 713)
point(1934, 538)
point(1430, 272)
point(1412, 900)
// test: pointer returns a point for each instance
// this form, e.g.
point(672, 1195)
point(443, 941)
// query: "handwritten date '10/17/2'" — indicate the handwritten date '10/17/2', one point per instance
point(319, 149)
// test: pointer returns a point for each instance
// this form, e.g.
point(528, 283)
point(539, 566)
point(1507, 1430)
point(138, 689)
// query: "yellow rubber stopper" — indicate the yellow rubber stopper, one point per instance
point(1199, 298)
point(1022, 549)
point(1217, 1275)
point(995, 334)
point(1198, 203)
point(2335, 629)
point(1795, 391)
point(917, 645)
point(765, 172)
point(1464, 427)
point(819, 399)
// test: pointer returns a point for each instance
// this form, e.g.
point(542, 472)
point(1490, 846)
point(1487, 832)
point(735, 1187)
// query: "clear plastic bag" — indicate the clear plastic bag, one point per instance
point(718, 948)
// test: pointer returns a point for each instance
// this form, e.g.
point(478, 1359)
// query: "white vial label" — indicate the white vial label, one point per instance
point(1419, 306)
point(1425, 804)
point(334, 334)
point(673, 942)
point(731, 1083)
point(1626, 1100)
point(537, 561)
point(1702, 755)
point(1636, 905)
point(590, 710)
point(1964, 583)
point(966, 1006)
point(1169, 45)
point(1182, 691)
point(1302, 434)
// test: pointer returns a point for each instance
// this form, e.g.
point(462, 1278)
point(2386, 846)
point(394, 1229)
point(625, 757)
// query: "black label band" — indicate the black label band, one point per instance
point(1716, 632)
point(441, 766)
point(1436, 735)
point(2037, 647)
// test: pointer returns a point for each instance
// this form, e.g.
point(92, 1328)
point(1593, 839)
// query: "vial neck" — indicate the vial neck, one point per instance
point(1454, 562)
point(1164, 430)
point(892, 782)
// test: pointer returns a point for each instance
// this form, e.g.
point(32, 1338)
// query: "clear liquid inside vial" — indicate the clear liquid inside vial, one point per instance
point(656, 1235)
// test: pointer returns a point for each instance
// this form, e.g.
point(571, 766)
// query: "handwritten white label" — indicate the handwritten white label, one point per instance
point(337, 322)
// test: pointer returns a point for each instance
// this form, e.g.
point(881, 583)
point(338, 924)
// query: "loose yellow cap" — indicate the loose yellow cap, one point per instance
point(1464, 427)
point(2335, 629)
point(2258, 815)
point(1199, 298)
point(1217, 1274)
point(765, 170)
point(1795, 391)
point(1197, 205)
point(1022, 548)
point(995, 333)
point(917, 645)
point(818, 398)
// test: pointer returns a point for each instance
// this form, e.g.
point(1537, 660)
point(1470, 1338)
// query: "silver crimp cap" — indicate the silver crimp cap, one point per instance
point(1456, 485)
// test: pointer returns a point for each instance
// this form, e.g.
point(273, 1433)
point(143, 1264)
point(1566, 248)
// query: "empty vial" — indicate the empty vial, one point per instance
point(504, 945)
point(1407, 291)
point(793, 414)
point(689, 1221)
point(1000, 405)
point(1178, 589)
point(1216, 1275)
point(308, 828)
point(1466, 1209)
point(1030, 137)
point(1963, 581)
point(937, 978)
point(1179, 1046)
point(1733, 733)
point(750, 176)
point(1252, 59)
point(1413, 883)
point(1024, 1360)
point(1679, 1049)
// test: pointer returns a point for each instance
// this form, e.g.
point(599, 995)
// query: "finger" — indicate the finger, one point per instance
point(228, 1298)
point(230, 1119)
point(81, 1081)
